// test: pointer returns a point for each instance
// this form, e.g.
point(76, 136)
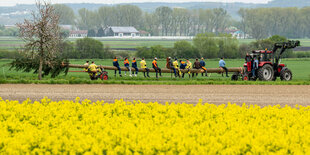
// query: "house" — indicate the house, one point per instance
point(121, 31)
point(144, 33)
point(78, 33)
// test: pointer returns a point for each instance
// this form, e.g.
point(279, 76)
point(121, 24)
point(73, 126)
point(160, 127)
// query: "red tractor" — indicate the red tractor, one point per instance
point(269, 67)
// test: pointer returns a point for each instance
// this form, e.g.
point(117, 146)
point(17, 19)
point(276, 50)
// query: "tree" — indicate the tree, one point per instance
point(89, 48)
point(164, 15)
point(42, 37)
point(206, 44)
point(66, 14)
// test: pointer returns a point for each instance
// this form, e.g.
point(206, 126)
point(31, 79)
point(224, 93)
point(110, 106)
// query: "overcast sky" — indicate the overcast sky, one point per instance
point(14, 2)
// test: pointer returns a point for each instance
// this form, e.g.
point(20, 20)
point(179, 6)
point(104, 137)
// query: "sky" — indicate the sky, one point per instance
point(14, 2)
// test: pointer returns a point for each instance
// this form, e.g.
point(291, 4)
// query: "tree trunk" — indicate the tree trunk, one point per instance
point(40, 69)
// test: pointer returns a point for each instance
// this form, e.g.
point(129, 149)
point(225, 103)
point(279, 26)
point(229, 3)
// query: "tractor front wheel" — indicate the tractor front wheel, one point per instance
point(235, 76)
point(265, 73)
point(286, 75)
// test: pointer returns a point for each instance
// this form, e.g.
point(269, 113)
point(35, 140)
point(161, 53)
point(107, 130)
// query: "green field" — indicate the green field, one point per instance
point(11, 43)
point(301, 75)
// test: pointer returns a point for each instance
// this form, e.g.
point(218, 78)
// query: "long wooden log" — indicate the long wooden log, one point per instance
point(165, 70)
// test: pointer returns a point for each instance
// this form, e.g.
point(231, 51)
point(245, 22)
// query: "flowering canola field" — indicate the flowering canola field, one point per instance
point(81, 127)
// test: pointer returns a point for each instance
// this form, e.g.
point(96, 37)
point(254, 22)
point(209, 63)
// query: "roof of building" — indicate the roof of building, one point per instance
point(124, 29)
point(79, 32)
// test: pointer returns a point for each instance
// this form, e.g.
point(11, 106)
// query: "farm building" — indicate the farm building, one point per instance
point(79, 33)
point(121, 31)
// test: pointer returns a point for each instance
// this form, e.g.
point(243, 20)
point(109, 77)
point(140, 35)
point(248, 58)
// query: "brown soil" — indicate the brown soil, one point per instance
point(218, 94)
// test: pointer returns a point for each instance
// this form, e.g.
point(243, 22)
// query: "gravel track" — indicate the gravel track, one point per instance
point(218, 94)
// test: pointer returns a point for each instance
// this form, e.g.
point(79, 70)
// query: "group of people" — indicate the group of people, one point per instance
point(172, 65)
point(252, 63)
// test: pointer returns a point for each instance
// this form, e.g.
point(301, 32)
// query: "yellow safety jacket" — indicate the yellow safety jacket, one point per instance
point(143, 64)
point(189, 65)
point(92, 68)
point(86, 69)
point(175, 64)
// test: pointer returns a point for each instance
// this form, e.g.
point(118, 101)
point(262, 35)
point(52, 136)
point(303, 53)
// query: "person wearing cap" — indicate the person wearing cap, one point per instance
point(182, 66)
point(222, 65)
point(134, 65)
point(126, 64)
point(116, 64)
point(196, 66)
point(202, 65)
point(143, 66)
point(188, 67)
point(156, 68)
point(176, 68)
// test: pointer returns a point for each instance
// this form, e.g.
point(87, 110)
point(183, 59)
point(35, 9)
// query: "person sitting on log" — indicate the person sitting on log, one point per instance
point(182, 66)
point(170, 66)
point(143, 66)
point(188, 67)
point(196, 66)
point(202, 65)
point(126, 64)
point(116, 64)
point(86, 64)
point(222, 65)
point(176, 68)
point(134, 65)
point(156, 68)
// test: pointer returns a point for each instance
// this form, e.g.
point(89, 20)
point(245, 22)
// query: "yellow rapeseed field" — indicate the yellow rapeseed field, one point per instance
point(85, 127)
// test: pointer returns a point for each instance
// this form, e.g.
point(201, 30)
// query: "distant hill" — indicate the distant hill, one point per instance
point(11, 15)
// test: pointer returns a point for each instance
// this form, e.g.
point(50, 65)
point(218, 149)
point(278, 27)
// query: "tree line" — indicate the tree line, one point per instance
point(265, 22)
point(258, 23)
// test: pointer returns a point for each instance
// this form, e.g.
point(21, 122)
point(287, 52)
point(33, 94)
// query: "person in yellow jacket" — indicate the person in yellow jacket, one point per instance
point(86, 64)
point(189, 67)
point(176, 67)
point(143, 66)
point(92, 70)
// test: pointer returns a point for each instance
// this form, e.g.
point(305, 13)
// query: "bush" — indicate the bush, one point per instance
point(89, 48)
point(4, 54)
point(184, 49)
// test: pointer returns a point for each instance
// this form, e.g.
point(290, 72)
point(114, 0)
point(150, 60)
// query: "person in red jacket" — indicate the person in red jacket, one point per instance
point(248, 61)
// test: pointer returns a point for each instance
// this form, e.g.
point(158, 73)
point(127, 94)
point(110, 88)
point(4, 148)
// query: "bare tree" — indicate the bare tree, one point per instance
point(41, 35)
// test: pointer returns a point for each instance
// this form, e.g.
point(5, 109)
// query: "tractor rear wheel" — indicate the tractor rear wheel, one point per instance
point(265, 73)
point(286, 75)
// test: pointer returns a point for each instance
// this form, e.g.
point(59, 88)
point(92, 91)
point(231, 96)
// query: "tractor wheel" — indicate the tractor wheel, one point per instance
point(265, 73)
point(286, 75)
point(245, 77)
point(104, 77)
point(235, 76)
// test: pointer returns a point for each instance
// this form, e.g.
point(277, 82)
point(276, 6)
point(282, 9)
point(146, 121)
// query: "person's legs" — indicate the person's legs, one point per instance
point(137, 70)
point(226, 70)
point(159, 71)
point(147, 70)
point(253, 72)
point(156, 72)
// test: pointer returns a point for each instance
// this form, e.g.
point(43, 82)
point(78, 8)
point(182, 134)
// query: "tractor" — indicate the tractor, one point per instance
point(269, 66)
point(103, 75)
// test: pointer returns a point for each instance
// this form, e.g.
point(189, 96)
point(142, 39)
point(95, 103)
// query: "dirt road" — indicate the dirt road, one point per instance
point(217, 94)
